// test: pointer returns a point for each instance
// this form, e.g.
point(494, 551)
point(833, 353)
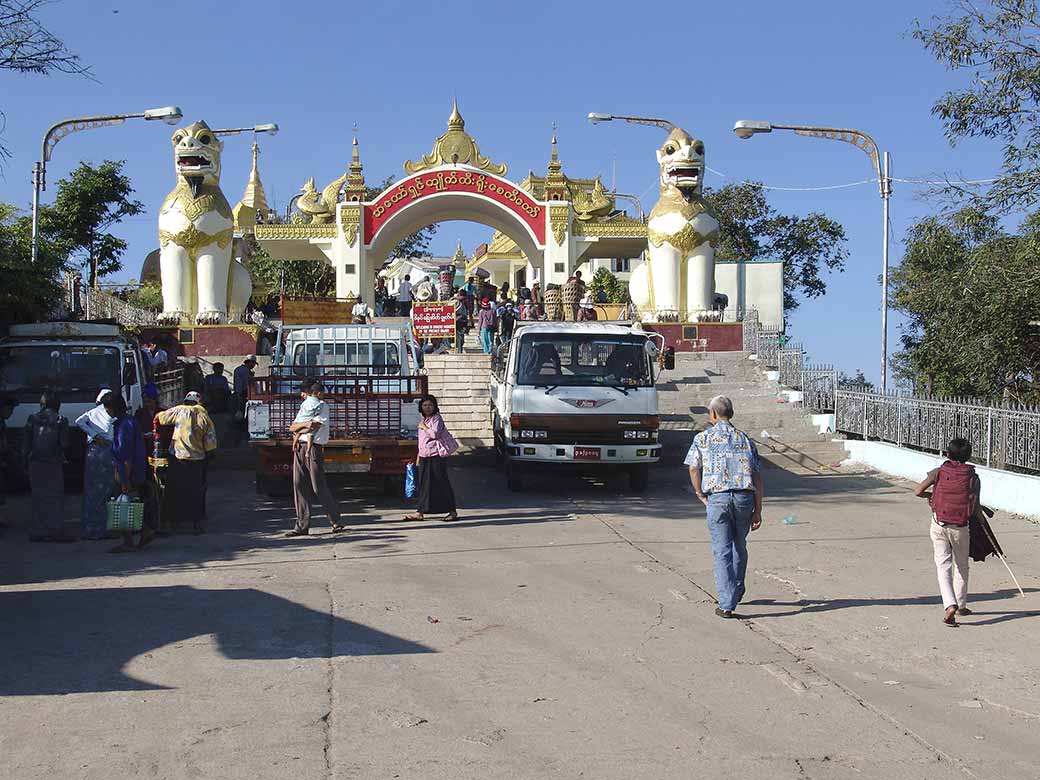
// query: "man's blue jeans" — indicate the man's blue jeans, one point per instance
point(729, 522)
point(487, 340)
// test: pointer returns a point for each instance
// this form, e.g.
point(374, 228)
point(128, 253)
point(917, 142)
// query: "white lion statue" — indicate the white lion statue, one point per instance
point(200, 281)
point(677, 281)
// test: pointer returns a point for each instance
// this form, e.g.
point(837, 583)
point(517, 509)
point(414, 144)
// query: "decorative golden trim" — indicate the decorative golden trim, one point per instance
point(350, 222)
point(686, 240)
point(559, 216)
point(193, 240)
point(294, 232)
point(455, 147)
point(192, 206)
point(619, 227)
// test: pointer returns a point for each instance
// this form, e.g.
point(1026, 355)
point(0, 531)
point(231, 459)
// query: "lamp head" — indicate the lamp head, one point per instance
point(171, 115)
point(270, 128)
point(745, 128)
point(596, 118)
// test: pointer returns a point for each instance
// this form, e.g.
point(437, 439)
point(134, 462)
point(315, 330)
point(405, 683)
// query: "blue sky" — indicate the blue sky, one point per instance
point(516, 68)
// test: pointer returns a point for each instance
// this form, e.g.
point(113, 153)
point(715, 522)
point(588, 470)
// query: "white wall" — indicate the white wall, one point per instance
point(1018, 493)
point(754, 284)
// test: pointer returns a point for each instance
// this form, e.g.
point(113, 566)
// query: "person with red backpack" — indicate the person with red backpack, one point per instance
point(954, 499)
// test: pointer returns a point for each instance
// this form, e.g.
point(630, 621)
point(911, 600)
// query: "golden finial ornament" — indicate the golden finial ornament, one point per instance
point(455, 147)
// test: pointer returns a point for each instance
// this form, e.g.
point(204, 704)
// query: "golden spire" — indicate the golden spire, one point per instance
point(456, 120)
point(460, 258)
point(355, 187)
point(455, 147)
point(254, 200)
point(555, 180)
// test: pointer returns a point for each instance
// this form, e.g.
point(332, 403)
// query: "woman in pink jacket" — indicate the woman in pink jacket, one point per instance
point(435, 446)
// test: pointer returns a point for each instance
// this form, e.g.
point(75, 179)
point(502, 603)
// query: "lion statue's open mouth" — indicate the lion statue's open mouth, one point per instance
point(194, 163)
point(684, 176)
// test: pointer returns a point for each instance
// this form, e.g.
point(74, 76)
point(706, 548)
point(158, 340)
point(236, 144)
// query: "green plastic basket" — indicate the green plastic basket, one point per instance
point(125, 515)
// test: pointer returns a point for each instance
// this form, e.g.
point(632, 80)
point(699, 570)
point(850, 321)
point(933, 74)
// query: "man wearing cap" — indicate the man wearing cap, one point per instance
point(194, 442)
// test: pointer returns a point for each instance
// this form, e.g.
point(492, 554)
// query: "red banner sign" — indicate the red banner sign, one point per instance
point(390, 201)
point(433, 320)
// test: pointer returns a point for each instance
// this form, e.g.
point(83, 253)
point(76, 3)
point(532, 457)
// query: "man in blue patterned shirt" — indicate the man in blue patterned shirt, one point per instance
point(726, 475)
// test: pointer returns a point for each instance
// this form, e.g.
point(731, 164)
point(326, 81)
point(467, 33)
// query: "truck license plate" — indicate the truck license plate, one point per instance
point(586, 453)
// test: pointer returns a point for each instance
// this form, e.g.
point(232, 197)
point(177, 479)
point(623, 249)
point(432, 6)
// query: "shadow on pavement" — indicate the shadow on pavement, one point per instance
point(77, 641)
point(808, 606)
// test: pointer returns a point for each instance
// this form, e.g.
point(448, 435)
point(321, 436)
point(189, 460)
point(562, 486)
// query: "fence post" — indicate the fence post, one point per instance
point(989, 436)
point(899, 422)
point(864, 416)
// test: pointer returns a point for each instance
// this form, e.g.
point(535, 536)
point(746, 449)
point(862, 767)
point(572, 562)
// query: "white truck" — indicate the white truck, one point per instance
point(372, 385)
point(579, 393)
point(75, 359)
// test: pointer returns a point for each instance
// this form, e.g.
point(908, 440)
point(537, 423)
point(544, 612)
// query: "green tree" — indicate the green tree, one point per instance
point(27, 292)
point(857, 381)
point(751, 229)
point(998, 43)
point(970, 292)
point(298, 278)
point(147, 296)
point(26, 46)
point(89, 202)
point(604, 280)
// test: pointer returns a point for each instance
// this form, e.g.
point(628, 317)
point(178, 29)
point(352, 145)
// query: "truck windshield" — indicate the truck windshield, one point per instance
point(352, 358)
point(577, 359)
point(76, 372)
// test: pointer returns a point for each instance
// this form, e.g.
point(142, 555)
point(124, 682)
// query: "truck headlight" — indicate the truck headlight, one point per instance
point(541, 434)
point(636, 434)
point(526, 434)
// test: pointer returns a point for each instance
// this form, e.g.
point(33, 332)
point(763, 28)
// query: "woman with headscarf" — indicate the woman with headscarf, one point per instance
point(436, 445)
point(46, 436)
point(98, 471)
point(131, 469)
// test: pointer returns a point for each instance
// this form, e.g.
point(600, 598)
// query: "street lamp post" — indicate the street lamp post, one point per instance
point(169, 114)
point(270, 128)
point(745, 128)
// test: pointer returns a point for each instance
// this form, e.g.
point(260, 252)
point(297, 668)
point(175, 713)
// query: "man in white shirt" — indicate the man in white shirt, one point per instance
point(309, 485)
point(404, 297)
point(360, 314)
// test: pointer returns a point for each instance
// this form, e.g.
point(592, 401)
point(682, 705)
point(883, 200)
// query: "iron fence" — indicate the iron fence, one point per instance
point(96, 304)
point(819, 385)
point(1004, 436)
point(789, 363)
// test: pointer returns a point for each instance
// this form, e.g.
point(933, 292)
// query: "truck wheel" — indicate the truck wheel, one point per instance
point(264, 485)
point(514, 478)
point(639, 478)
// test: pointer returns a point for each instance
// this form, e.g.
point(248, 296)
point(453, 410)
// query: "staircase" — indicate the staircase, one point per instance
point(460, 383)
point(781, 431)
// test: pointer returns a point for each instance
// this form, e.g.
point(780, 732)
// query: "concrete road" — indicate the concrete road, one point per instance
point(566, 632)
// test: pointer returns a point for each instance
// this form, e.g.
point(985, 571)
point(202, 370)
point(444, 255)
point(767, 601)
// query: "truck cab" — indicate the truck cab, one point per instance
point(75, 359)
point(579, 393)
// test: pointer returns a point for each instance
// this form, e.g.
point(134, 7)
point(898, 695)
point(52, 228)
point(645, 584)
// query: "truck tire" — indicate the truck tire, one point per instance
point(639, 478)
point(514, 477)
point(393, 485)
point(272, 486)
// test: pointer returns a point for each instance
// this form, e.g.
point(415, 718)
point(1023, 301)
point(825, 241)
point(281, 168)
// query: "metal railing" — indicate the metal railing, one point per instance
point(96, 304)
point(170, 383)
point(1003, 436)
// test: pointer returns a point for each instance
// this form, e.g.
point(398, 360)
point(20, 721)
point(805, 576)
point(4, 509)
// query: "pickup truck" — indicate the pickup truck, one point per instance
point(578, 393)
point(372, 385)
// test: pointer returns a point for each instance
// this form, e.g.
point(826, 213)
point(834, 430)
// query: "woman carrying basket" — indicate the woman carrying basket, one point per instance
point(131, 470)
point(436, 445)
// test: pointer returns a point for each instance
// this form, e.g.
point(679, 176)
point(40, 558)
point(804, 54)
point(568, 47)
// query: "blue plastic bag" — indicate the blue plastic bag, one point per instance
point(411, 481)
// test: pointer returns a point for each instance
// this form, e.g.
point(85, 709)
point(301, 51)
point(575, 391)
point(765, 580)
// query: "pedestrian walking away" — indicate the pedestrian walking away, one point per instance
point(194, 442)
point(726, 474)
point(436, 445)
point(954, 499)
point(310, 432)
point(131, 470)
point(46, 437)
point(97, 469)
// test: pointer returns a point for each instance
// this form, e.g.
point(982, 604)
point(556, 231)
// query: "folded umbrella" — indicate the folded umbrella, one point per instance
point(983, 542)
